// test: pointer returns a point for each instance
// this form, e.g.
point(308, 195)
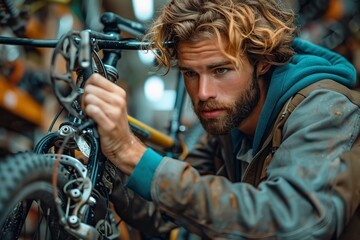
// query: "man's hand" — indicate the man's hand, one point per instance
point(105, 103)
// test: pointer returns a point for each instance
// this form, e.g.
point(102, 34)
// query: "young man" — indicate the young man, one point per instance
point(242, 67)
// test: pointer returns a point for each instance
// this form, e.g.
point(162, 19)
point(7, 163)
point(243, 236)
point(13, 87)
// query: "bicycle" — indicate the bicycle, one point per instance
point(66, 178)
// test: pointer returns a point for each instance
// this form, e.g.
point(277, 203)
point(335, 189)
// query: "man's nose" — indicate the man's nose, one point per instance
point(207, 88)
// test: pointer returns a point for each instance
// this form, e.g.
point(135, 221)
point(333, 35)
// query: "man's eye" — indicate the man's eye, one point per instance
point(221, 70)
point(189, 74)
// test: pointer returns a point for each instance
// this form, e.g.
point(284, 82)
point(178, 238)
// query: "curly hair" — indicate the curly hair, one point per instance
point(260, 30)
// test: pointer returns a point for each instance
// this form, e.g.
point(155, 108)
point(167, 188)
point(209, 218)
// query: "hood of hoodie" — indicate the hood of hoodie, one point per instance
point(310, 64)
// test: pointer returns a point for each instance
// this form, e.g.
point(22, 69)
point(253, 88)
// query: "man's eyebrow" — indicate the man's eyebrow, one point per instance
point(181, 68)
point(219, 64)
point(211, 66)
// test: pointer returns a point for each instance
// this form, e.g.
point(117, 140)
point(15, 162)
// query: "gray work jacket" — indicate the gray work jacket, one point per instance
point(295, 187)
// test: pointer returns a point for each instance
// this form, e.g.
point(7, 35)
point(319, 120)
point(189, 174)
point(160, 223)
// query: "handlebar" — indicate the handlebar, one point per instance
point(77, 139)
point(111, 42)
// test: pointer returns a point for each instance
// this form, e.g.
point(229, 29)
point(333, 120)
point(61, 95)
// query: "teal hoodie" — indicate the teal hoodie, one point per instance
point(311, 63)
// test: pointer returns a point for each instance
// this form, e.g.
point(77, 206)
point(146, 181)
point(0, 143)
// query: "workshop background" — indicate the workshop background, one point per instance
point(28, 105)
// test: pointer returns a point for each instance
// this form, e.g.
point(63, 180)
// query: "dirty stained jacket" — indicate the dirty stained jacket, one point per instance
point(219, 193)
point(295, 199)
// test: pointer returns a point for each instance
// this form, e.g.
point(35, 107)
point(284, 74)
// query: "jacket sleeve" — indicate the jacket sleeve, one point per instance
point(138, 212)
point(142, 214)
point(298, 198)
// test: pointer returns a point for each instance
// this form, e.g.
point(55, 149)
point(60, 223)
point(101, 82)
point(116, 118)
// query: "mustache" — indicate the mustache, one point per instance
point(210, 105)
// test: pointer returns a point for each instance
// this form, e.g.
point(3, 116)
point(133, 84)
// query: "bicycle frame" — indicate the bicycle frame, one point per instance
point(77, 136)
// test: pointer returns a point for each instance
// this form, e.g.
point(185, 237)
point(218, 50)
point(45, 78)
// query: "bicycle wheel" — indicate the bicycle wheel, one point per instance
point(27, 204)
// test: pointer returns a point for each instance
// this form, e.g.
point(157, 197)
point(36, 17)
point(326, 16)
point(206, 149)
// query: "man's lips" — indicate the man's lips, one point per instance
point(214, 113)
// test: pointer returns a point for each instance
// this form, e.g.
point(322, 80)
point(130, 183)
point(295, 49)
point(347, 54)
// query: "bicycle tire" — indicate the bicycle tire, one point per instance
point(25, 178)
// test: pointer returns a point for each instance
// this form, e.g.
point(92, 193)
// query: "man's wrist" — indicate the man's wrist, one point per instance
point(127, 159)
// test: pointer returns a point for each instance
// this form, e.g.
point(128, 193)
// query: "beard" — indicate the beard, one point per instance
point(235, 112)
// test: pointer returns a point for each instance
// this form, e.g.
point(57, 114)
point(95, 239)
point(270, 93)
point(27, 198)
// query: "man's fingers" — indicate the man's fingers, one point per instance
point(112, 109)
point(111, 98)
point(97, 115)
point(104, 102)
point(97, 91)
point(101, 82)
point(91, 99)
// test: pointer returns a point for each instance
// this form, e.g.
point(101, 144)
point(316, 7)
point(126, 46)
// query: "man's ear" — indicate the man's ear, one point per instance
point(263, 68)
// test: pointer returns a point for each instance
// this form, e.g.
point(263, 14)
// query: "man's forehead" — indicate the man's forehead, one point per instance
point(203, 42)
point(198, 50)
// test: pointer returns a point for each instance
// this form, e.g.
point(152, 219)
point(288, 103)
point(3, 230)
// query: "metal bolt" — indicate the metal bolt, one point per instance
point(74, 221)
point(75, 194)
